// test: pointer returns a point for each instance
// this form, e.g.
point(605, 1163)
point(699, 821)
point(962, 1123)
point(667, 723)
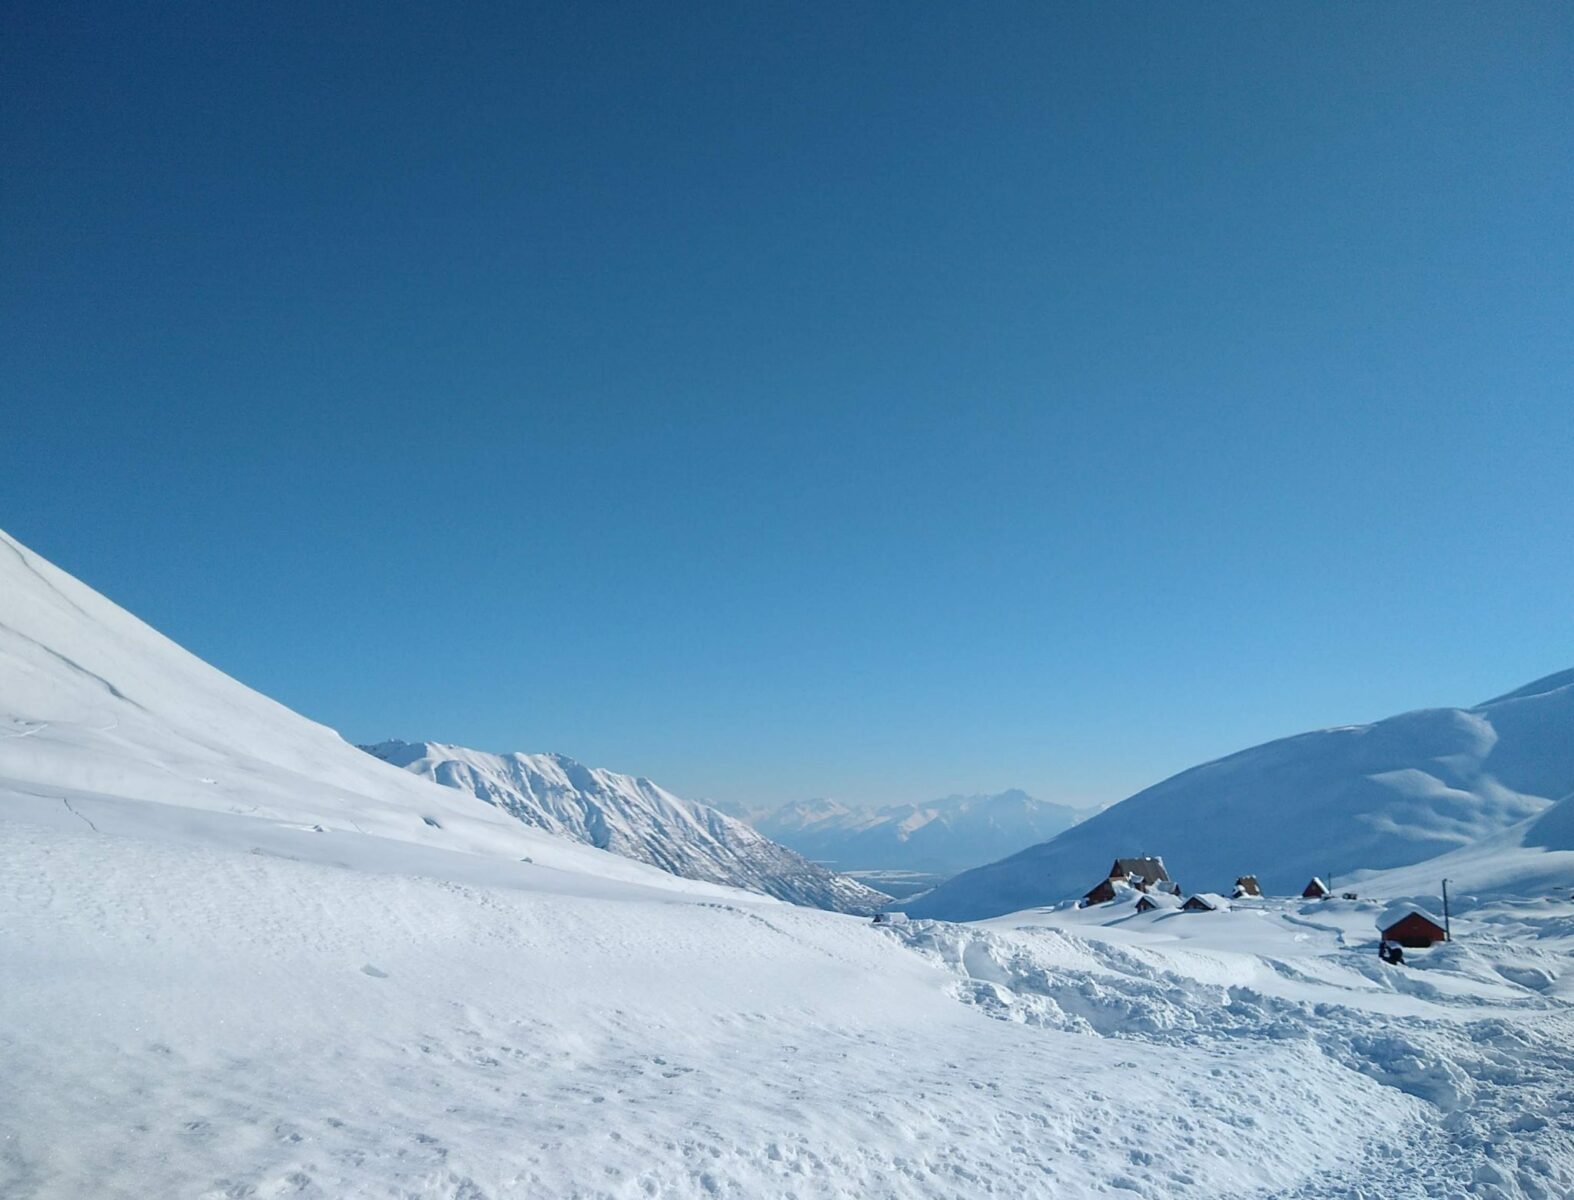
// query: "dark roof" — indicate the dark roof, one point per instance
point(1247, 885)
point(1315, 888)
point(1149, 870)
point(1101, 892)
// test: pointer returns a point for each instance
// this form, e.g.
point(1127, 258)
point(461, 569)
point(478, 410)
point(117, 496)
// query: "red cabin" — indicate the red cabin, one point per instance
point(1415, 932)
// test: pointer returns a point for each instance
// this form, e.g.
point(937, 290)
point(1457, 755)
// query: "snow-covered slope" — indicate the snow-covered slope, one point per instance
point(238, 957)
point(941, 837)
point(1378, 796)
point(106, 720)
point(632, 817)
point(1535, 857)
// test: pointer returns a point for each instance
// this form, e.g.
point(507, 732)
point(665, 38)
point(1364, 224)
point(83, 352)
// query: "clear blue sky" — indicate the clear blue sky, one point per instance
point(876, 400)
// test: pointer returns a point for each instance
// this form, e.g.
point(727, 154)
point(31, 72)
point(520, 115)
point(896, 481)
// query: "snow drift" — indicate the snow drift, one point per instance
point(1378, 796)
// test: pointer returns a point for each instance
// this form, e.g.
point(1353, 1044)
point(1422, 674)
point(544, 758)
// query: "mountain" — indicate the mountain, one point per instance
point(1386, 795)
point(243, 958)
point(941, 837)
point(108, 726)
point(632, 817)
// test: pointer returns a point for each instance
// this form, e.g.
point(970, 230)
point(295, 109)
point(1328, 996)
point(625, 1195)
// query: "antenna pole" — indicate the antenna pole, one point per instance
point(1448, 932)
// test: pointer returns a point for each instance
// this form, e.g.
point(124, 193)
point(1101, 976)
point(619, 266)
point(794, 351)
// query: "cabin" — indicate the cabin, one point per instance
point(1206, 902)
point(890, 918)
point(1143, 872)
point(1316, 890)
point(1416, 931)
point(1247, 885)
point(1153, 901)
point(1106, 890)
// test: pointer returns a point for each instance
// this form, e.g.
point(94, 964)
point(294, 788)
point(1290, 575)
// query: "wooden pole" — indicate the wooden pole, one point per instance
point(1448, 931)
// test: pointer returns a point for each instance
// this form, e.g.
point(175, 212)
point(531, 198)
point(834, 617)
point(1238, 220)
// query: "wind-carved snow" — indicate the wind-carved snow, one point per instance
point(632, 817)
point(1349, 801)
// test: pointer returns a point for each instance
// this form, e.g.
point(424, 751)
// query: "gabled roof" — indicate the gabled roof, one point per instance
point(1315, 888)
point(1395, 913)
point(1247, 885)
point(1152, 900)
point(1208, 902)
point(1149, 870)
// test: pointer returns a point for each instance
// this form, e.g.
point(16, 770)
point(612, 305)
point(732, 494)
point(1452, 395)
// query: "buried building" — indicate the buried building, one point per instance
point(1144, 874)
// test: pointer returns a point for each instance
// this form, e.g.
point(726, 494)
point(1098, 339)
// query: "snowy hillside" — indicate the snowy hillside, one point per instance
point(632, 817)
point(242, 958)
point(1535, 857)
point(107, 721)
point(941, 837)
point(1378, 796)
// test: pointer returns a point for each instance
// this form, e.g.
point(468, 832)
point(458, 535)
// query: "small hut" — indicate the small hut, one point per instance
point(1414, 930)
point(1100, 893)
point(1206, 902)
point(1153, 901)
point(1142, 874)
point(1316, 890)
point(1247, 885)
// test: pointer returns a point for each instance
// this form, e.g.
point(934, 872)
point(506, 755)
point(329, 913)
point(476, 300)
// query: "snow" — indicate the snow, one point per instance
point(1356, 799)
point(633, 817)
point(940, 837)
point(243, 958)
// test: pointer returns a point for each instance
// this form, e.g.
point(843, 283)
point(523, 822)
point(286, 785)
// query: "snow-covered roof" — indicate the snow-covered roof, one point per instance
point(1158, 899)
point(1211, 900)
point(1398, 912)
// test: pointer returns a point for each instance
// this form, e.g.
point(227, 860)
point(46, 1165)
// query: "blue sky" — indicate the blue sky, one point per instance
point(786, 400)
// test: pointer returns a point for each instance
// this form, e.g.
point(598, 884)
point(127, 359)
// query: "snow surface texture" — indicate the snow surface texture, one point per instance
point(632, 817)
point(1346, 800)
point(243, 959)
point(941, 837)
point(187, 1021)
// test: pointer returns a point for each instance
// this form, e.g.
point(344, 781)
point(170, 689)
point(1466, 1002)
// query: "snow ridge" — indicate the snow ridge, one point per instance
point(941, 837)
point(1346, 800)
point(632, 817)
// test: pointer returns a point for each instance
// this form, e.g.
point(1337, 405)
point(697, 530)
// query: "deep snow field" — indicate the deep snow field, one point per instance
point(181, 1018)
point(241, 958)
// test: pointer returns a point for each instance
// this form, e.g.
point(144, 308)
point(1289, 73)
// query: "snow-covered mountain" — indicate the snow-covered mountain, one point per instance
point(941, 837)
point(632, 817)
point(241, 957)
point(1386, 795)
point(109, 725)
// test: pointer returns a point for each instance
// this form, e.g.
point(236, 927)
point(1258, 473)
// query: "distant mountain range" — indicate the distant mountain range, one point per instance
point(939, 838)
point(1479, 785)
point(632, 817)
